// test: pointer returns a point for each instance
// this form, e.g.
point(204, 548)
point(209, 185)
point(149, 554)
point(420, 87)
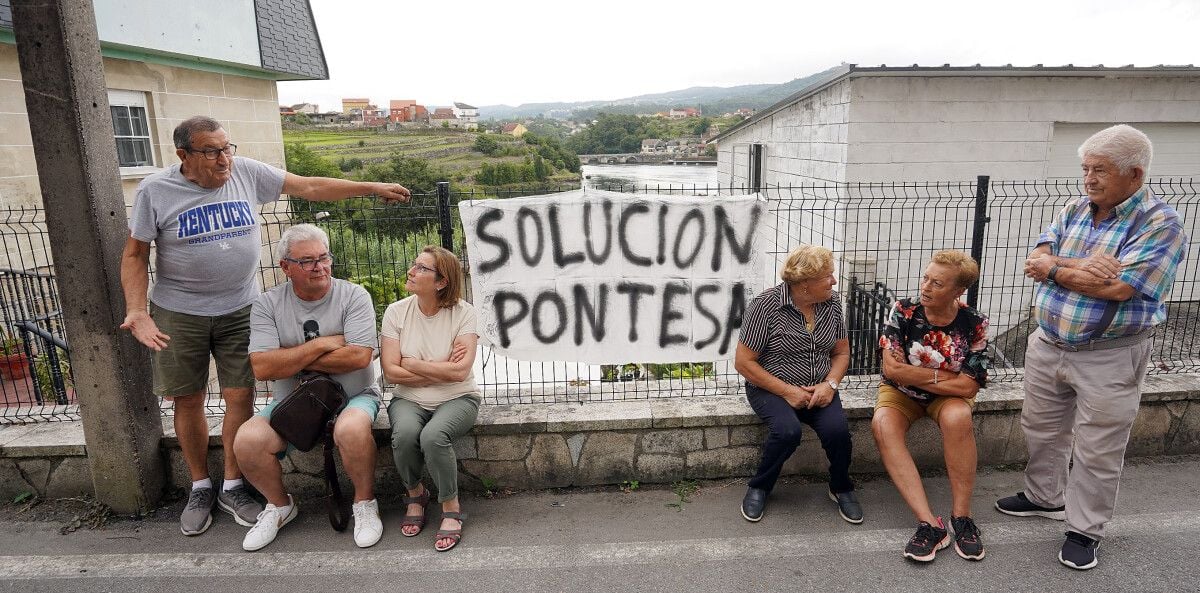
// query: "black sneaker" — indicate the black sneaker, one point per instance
point(1019, 506)
point(753, 504)
point(928, 540)
point(967, 542)
point(848, 506)
point(1079, 551)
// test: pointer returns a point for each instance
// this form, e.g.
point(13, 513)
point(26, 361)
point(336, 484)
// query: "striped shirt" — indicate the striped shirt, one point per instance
point(1149, 258)
point(774, 328)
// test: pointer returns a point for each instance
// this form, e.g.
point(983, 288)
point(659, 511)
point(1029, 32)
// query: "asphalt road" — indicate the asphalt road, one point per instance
point(575, 540)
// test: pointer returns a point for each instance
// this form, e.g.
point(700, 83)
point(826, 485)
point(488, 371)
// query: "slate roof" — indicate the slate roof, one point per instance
point(288, 40)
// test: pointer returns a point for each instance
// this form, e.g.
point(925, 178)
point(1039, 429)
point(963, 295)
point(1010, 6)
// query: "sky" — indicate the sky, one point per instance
point(520, 51)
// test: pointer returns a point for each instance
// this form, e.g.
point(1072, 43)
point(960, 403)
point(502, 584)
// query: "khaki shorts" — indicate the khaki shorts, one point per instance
point(890, 397)
point(182, 367)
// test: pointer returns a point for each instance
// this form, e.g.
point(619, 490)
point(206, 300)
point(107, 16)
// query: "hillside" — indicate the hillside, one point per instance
point(459, 156)
point(712, 100)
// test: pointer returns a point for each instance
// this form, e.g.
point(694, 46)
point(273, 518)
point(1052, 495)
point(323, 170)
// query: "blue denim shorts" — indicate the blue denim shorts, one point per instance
point(368, 403)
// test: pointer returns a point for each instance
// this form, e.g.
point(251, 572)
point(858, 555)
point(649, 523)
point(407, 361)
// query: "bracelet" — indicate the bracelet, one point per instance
point(1053, 273)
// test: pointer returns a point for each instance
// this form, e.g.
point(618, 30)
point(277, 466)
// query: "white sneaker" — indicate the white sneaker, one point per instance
point(270, 520)
point(367, 526)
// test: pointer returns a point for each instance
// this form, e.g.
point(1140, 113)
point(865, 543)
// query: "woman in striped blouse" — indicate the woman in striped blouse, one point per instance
point(793, 352)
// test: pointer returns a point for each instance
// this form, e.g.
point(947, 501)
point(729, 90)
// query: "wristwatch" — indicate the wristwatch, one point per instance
point(833, 384)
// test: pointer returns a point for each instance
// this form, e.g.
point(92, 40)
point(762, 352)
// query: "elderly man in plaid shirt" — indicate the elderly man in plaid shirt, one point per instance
point(1104, 268)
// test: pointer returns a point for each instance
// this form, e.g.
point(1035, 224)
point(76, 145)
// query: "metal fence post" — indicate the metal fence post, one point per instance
point(445, 224)
point(981, 220)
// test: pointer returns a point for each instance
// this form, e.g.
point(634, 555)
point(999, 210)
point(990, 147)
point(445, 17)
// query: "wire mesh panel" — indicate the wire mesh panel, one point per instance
point(882, 235)
point(35, 373)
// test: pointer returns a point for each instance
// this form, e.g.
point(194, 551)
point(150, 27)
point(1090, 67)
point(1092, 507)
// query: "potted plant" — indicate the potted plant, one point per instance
point(43, 370)
point(14, 363)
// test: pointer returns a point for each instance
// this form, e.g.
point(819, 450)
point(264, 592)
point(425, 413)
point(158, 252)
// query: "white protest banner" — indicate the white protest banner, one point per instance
point(606, 278)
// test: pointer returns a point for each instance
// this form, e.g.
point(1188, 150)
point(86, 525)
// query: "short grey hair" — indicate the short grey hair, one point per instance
point(1126, 146)
point(298, 233)
point(191, 125)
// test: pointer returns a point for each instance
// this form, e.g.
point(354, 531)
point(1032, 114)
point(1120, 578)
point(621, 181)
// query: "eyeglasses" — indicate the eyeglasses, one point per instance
point(309, 264)
point(420, 267)
point(212, 153)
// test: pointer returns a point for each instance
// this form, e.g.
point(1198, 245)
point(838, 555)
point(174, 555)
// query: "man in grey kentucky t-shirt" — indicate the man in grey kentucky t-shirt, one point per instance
point(202, 215)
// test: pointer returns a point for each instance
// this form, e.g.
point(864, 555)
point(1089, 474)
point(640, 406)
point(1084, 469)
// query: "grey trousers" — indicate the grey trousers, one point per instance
point(424, 439)
point(1093, 395)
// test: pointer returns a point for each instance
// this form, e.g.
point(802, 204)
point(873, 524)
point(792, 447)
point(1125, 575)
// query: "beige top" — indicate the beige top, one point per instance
point(430, 338)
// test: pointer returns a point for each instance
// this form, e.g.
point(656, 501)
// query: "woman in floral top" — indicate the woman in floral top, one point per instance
point(934, 362)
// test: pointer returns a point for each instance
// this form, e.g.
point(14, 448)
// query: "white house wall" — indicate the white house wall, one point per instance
point(1176, 147)
point(805, 143)
point(917, 129)
point(247, 107)
point(954, 128)
point(914, 130)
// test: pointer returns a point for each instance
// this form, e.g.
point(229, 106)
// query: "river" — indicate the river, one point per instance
point(650, 175)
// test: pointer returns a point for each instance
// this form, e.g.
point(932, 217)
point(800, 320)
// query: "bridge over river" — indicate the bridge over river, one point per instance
point(644, 159)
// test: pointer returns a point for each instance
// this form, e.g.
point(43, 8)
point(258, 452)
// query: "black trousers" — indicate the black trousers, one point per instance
point(783, 436)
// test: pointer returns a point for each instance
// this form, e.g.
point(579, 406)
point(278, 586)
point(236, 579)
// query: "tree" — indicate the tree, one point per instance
point(349, 164)
point(701, 126)
point(540, 170)
point(612, 134)
point(486, 144)
point(415, 174)
point(304, 161)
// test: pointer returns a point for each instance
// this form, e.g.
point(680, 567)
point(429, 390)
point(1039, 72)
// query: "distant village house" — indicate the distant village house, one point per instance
point(653, 146)
point(467, 115)
point(349, 105)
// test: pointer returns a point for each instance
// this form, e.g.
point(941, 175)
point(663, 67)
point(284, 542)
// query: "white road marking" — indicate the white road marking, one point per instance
point(469, 558)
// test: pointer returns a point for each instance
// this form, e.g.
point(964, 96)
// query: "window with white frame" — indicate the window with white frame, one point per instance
point(131, 128)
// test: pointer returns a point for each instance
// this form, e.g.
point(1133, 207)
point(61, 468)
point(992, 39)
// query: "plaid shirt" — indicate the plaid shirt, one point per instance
point(1149, 260)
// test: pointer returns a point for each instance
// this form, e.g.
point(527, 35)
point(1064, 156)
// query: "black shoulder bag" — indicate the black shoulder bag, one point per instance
point(306, 416)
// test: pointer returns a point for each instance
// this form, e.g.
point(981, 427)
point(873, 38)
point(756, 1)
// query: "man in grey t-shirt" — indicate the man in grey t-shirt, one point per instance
point(202, 217)
point(313, 323)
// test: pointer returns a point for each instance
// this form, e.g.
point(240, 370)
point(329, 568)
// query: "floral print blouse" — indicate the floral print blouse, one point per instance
point(960, 347)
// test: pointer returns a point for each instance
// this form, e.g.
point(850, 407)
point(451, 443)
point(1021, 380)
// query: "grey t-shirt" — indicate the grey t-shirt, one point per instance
point(207, 239)
point(277, 321)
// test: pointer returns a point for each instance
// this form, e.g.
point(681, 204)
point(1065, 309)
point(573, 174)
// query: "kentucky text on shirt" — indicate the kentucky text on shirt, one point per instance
point(215, 217)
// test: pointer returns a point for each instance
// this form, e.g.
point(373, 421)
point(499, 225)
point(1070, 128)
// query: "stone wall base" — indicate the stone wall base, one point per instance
point(650, 441)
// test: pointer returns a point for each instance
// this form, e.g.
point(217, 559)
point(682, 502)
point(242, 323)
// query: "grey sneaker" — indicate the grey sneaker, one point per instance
point(197, 516)
point(240, 504)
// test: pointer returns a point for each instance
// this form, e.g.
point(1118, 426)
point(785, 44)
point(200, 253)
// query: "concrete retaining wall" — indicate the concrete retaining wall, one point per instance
point(664, 440)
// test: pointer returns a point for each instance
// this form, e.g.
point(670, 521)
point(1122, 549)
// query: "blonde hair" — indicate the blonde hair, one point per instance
point(448, 267)
point(807, 262)
point(968, 269)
